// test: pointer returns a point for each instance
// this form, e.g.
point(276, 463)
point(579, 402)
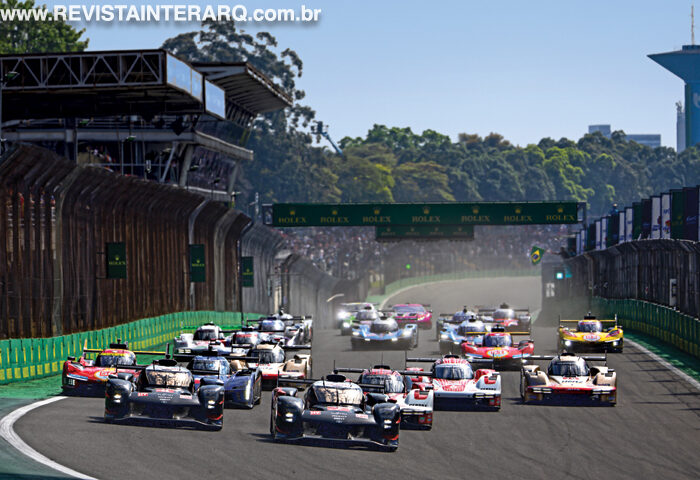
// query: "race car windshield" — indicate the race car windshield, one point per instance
point(498, 341)
point(569, 369)
point(244, 340)
point(338, 396)
point(366, 315)
point(454, 372)
point(502, 314)
point(409, 309)
point(168, 378)
point(111, 360)
point(354, 308)
point(269, 356)
point(205, 335)
point(272, 326)
point(391, 383)
point(208, 365)
point(590, 327)
point(383, 327)
point(471, 327)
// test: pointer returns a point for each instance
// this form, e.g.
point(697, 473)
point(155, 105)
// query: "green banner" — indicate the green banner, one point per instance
point(198, 271)
point(636, 220)
point(247, 272)
point(677, 213)
point(390, 214)
point(116, 260)
point(425, 232)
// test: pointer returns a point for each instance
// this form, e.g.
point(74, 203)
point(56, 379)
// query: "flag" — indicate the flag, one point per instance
point(536, 255)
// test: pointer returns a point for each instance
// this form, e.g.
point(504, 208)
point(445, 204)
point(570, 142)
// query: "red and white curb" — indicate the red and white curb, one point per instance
point(9, 434)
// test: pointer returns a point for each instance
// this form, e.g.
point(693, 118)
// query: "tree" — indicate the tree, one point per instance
point(20, 37)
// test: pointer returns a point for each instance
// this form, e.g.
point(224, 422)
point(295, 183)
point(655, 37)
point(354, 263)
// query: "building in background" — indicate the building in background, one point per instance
point(649, 139)
point(680, 127)
point(685, 63)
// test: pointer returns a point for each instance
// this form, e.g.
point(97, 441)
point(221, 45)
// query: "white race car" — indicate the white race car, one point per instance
point(457, 386)
point(204, 337)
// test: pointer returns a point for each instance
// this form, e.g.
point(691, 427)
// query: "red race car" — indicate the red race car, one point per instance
point(413, 313)
point(498, 346)
point(83, 377)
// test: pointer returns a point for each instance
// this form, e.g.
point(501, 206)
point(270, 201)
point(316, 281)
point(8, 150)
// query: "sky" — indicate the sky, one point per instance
point(526, 70)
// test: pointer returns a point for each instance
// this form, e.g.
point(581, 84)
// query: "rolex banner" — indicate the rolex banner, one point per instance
point(198, 272)
point(116, 260)
point(247, 272)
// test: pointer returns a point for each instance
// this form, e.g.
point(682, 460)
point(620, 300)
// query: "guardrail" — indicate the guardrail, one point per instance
point(30, 358)
point(671, 326)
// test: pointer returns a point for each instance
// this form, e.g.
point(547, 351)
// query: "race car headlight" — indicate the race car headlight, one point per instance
point(346, 324)
point(211, 403)
point(567, 343)
point(406, 333)
point(343, 315)
point(443, 336)
point(289, 417)
point(117, 397)
point(456, 343)
point(394, 339)
point(246, 394)
point(356, 334)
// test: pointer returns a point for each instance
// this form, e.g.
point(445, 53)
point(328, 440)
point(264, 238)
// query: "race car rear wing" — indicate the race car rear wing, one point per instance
point(592, 358)
point(310, 381)
point(475, 361)
point(121, 346)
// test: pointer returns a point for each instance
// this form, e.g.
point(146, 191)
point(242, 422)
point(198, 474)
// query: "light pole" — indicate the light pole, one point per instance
point(8, 77)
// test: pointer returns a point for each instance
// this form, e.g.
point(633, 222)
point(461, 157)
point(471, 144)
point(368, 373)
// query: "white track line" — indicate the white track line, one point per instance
point(8, 433)
point(663, 362)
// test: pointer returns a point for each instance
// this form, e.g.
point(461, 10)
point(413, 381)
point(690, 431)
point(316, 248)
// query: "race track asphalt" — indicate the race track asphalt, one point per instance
point(654, 431)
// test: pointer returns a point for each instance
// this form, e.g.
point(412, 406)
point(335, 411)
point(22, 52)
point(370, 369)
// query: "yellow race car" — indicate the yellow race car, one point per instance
point(590, 336)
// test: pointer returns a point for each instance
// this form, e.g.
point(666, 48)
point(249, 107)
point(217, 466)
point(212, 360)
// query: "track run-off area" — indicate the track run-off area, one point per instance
point(654, 431)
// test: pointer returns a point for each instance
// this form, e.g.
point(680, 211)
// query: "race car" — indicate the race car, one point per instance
point(452, 335)
point(447, 319)
point(164, 392)
point(497, 345)
point(201, 339)
point(514, 320)
point(84, 377)
point(384, 332)
point(272, 361)
point(413, 313)
point(347, 315)
point(242, 384)
point(416, 404)
point(337, 410)
point(273, 329)
point(294, 323)
point(243, 340)
point(457, 386)
point(570, 380)
point(590, 336)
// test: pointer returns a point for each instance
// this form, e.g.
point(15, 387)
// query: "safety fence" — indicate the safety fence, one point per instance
point(266, 246)
point(30, 358)
point(665, 272)
point(675, 328)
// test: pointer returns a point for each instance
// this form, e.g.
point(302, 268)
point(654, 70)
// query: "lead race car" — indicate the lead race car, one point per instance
point(337, 410)
point(415, 401)
point(384, 332)
point(413, 313)
point(497, 345)
point(590, 336)
point(85, 377)
point(242, 383)
point(569, 379)
point(164, 392)
point(457, 386)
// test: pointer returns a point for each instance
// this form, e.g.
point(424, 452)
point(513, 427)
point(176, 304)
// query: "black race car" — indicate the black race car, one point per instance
point(165, 391)
point(337, 410)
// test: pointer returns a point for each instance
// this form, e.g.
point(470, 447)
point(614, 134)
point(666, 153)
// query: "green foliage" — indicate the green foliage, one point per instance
point(32, 36)
point(396, 164)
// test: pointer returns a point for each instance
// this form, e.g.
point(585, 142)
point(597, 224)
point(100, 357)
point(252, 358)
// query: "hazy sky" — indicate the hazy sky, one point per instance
point(524, 69)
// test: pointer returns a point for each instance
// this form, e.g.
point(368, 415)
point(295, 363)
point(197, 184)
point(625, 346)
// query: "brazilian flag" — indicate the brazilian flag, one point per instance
point(536, 255)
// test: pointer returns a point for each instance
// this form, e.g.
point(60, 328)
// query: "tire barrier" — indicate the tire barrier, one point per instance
point(31, 358)
point(673, 327)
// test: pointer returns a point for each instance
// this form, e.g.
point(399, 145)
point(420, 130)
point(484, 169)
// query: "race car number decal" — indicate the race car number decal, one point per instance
point(591, 337)
point(498, 352)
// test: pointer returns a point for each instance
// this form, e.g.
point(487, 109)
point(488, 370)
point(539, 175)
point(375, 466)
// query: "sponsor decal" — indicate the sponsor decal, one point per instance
point(104, 374)
point(142, 394)
point(314, 412)
point(186, 397)
point(339, 409)
point(362, 415)
point(591, 337)
point(498, 353)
